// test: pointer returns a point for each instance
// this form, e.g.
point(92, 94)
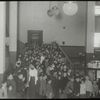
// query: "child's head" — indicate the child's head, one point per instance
point(69, 71)
point(44, 77)
point(20, 76)
point(10, 77)
point(65, 74)
point(31, 66)
point(77, 79)
point(82, 81)
point(49, 81)
point(59, 77)
point(65, 66)
point(87, 78)
point(55, 74)
point(72, 79)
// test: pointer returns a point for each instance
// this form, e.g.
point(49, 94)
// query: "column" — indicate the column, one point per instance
point(13, 32)
point(2, 38)
point(90, 30)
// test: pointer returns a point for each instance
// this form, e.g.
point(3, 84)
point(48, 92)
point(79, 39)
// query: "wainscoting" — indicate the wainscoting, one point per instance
point(74, 52)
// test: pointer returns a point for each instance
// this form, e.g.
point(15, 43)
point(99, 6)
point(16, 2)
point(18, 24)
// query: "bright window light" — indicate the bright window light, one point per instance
point(97, 40)
point(97, 10)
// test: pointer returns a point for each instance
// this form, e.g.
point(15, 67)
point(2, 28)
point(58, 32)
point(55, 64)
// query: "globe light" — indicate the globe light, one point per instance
point(70, 8)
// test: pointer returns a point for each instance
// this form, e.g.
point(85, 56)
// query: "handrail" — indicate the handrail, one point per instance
point(66, 56)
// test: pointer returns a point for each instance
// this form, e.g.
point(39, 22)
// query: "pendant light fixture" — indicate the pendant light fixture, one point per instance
point(70, 8)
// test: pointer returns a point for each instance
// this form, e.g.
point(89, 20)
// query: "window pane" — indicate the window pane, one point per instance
point(97, 40)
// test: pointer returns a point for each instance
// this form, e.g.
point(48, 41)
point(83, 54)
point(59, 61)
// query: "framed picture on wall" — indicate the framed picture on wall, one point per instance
point(35, 36)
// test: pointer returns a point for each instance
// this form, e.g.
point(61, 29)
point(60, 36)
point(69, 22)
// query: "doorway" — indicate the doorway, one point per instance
point(35, 37)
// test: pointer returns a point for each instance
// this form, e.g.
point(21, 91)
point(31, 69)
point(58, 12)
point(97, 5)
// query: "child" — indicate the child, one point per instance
point(42, 58)
point(18, 63)
point(77, 87)
point(43, 85)
point(20, 84)
point(63, 95)
point(69, 88)
point(64, 80)
point(89, 87)
point(82, 89)
point(3, 90)
point(95, 89)
point(49, 90)
point(32, 81)
point(11, 86)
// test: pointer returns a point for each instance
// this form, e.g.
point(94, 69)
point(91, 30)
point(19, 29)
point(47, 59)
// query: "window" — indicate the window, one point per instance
point(97, 40)
point(97, 35)
point(97, 10)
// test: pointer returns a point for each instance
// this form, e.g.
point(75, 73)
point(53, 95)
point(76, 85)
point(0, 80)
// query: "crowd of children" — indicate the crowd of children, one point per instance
point(41, 72)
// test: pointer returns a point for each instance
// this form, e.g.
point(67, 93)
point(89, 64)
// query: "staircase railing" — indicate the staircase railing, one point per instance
point(67, 58)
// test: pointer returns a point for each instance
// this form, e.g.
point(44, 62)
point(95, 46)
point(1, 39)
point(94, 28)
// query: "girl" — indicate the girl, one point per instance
point(82, 89)
point(32, 81)
point(89, 87)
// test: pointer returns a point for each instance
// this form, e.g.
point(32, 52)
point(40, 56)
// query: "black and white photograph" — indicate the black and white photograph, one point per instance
point(49, 49)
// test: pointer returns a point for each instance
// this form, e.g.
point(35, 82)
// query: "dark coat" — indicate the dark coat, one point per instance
point(76, 87)
point(64, 81)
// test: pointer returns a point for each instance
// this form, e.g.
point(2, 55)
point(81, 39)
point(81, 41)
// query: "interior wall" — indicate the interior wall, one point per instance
point(97, 24)
point(71, 29)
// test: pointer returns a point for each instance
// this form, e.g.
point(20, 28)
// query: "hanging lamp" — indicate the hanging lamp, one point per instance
point(70, 8)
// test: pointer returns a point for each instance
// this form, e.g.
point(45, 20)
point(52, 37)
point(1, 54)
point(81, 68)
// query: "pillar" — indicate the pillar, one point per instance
point(13, 32)
point(90, 30)
point(2, 38)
